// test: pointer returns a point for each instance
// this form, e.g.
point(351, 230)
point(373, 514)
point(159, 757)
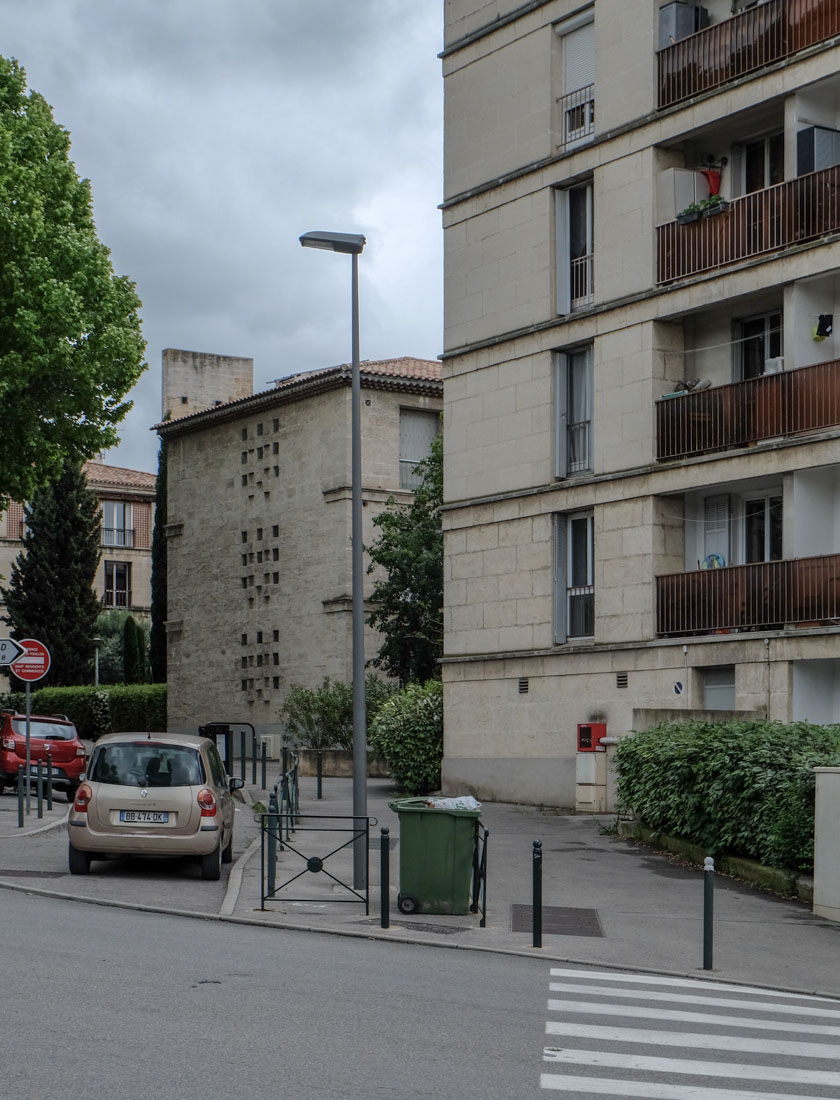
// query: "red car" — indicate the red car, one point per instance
point(52, 734)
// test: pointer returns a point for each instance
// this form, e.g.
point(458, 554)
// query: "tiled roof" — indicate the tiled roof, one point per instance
point(98, 475)
point(405, 372)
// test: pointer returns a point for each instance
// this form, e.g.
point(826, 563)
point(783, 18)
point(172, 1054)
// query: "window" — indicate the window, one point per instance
point(757, 340)
point(259, 534)
point(275, 554)
point(418, 429)
point(275, 530)
point(758, 164)
point(259, 637)
point(574, 591)
point(275, 448)
point(259, 429)
point(117, 584)
point(577, 103)
point(244, 535)
point(276, 424)
point(575, 261)
point(117, 527)
point(244, 433)
point(718, 687)
point(763, 529)
point(573, 397)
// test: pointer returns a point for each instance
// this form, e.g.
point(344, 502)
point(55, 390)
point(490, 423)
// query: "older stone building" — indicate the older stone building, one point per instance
point(258, 525)
point(642, 389)
point(127, 502)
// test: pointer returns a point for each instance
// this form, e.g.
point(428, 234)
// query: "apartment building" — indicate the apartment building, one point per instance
point(259, 522)
point(641, 379)
point(127, 502)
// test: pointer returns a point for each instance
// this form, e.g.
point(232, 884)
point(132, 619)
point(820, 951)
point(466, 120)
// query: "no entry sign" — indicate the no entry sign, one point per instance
point(33, 663)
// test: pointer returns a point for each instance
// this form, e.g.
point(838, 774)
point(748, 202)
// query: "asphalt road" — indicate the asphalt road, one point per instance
point(129, 1006)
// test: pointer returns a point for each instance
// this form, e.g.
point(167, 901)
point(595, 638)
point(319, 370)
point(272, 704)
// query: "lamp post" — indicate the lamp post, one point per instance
point(352, 244)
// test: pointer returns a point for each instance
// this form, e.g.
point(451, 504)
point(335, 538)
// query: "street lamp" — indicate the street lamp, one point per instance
point(352, 245)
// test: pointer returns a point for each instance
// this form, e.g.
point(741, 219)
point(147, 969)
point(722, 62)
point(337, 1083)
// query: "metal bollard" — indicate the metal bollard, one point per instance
point(319, 772)
point(272, 842)
point(254, 759)
point(20, 796)
point(284, 760)
point(40, 783)
point(264, 761)
point(708, 910)
point(49, 781)
point(537, 899)
point(243, 755)
point(384, 878)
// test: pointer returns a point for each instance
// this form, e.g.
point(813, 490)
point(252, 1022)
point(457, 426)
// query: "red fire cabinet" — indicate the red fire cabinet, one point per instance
point(589, 736)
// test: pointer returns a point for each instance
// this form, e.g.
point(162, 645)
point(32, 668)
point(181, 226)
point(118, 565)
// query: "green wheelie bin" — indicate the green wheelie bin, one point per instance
point(436, 856)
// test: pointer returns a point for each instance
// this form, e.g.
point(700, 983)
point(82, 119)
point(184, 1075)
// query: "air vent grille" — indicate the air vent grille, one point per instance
point(524, 685)
point(621, 679)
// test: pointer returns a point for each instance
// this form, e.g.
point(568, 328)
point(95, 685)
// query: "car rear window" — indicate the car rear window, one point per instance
point(143, 765)
point(47, 731)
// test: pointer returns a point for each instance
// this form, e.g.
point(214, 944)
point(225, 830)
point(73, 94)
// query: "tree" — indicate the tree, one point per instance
point(133, 652)
point(50, 595)
point(408, 599)
point(70, 341)
point(157, 635)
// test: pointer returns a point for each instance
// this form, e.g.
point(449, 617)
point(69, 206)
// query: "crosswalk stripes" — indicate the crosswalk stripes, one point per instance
point(621, 1034)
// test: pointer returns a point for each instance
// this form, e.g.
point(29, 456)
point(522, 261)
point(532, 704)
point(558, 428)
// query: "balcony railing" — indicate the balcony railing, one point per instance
point(800, 210)
point(768, 595)
point(578, 111)
point(582, 287)
point(744, 44)
point(804, 400)
point(117, 597)
point(118, 536)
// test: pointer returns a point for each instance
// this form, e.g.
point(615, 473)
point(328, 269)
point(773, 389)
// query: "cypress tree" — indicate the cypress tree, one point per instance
point(157, 635)
point(131, 652)
point(50, 595)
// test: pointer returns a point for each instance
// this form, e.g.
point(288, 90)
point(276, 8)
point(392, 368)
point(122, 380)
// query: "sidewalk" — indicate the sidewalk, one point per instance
point(606, 901)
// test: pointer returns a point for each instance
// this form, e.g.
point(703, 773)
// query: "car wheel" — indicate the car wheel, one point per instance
point(79, 861)
point(211, 864)
point(227, 851)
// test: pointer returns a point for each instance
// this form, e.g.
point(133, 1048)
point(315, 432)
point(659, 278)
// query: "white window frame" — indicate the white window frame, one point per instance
point(565, 429)
point(567, 299)
point(113, 601)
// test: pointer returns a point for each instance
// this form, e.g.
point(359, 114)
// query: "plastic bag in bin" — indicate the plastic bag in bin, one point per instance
point(459, 802)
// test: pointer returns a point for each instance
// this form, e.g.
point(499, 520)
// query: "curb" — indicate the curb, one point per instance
point(40, 829)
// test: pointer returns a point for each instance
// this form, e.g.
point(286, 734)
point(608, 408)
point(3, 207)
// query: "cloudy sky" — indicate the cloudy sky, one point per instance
point(215, 132)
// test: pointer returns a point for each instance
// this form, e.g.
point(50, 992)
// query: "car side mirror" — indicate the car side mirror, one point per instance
point(237, 784)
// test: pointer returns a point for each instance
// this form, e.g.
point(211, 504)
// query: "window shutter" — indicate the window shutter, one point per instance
point(561, 232)
point(561, 418)
point(579, 58)
point(560, 579)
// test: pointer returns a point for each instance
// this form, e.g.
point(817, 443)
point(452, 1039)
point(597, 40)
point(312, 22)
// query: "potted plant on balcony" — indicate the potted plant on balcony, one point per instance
point(714, 204)
point(690, 214)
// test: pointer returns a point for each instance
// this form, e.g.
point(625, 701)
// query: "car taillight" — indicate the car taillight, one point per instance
point(207, 803)
point(83, 797)
point(80, 751)
point(8, 743)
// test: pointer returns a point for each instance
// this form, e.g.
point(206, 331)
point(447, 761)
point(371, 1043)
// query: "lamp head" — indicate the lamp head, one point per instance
point(351, 243)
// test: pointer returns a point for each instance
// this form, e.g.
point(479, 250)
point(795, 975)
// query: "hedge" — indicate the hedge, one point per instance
point(408, 734)
point(745, 787)
point(108, 708)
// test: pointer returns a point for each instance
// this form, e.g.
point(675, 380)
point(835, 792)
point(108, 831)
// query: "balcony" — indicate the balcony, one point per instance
point(582, 281)
point(804, 400)
point(744, 44)
point(766, 596)
point(799, 210)
point(117, 597)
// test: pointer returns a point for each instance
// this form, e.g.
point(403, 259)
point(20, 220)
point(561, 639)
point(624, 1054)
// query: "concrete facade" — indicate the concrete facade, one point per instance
point(258, 529)
point(574, 302)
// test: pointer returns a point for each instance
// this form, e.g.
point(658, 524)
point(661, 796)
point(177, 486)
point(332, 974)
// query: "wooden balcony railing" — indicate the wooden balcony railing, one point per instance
point(744, 44)
point(804, 400)
point(799, 210)
point(768, 595)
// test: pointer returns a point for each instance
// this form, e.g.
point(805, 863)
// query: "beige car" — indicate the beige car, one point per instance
point(155, 794)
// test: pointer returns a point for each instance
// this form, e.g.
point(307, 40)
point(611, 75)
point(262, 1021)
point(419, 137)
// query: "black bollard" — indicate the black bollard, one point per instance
point(384, 878)
point(264, 761)
point(537, 901)
point(708, 910)
point(20, 796)
point(40, 784)
point(254, 759)
point(319, 771)
point(243, 755)
point(49, 781)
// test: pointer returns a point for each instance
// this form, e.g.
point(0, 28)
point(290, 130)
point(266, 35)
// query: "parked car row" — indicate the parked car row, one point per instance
point(50, 736)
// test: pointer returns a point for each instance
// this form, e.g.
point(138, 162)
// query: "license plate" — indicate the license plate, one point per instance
point(145, 817)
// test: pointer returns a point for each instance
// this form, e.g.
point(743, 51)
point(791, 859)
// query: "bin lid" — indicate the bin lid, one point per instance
point(428, 805)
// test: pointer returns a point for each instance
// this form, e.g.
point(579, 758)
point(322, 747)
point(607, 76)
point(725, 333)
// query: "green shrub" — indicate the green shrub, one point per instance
point(12, 700)
point(86, 707)
point(323, 718)
point(138, 707)
point(408, 734)
point(746, 787)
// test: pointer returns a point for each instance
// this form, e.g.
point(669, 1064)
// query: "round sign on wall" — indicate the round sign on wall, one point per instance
point(33, 663)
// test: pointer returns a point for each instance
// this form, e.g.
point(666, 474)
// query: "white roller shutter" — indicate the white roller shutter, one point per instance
point(579, 58)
